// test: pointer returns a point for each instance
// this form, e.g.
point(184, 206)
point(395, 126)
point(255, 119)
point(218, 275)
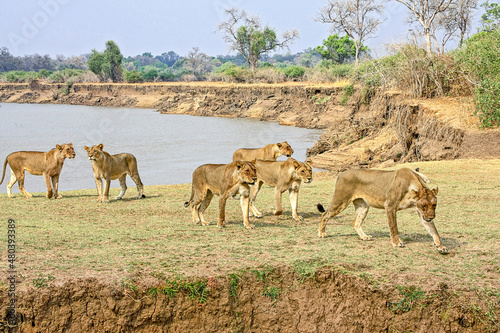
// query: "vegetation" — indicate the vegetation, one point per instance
point(108, 64)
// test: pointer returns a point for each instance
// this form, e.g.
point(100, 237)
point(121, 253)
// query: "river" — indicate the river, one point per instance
point(168, 147)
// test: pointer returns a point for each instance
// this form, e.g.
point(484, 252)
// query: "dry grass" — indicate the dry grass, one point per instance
point(77, 237)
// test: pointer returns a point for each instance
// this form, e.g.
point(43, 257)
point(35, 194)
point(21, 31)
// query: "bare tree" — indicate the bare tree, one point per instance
point(246, 35)
point(426, 12)
point(198, 62)
point(353, 17)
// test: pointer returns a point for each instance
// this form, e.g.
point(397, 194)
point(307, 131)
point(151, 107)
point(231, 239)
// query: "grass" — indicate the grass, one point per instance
point(124, 240)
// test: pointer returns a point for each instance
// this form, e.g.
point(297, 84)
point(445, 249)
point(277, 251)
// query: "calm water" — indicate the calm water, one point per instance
point(168, 147)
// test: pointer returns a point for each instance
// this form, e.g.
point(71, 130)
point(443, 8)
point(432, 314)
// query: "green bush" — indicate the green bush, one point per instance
point(480, 60)
point(294, 71)
point(133, 77)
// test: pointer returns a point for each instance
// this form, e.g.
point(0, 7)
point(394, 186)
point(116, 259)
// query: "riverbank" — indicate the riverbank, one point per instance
point(142, 265)
point(362, 128)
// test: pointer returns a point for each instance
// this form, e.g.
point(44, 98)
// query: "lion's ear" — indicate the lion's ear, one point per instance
point(59, 147)
point(296, 164)
point(414, 194)
point(309, 162)
point(70, 144)
point(279, 145)
point(435, 191)
point(101, 146)
point(239, 165)
point(86, 148)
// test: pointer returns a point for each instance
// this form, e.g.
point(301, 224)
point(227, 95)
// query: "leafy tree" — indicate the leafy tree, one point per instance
point(133, 77)
point(107, 65)
point(490, 19)
point(168, 58)
point(358, 19)
point(246, 35)
point(339, 49)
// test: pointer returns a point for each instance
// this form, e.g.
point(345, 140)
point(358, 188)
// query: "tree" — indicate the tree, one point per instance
point(426, 12)
point(246, 35)
point(168, 58)
point(490, 19)
point(107, 65)
point(198, 62)
point(338, 50)
point(355, 18)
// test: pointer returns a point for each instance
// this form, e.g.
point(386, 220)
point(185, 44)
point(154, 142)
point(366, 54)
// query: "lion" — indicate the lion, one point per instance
point(224, 180)
point(389, 190)
point(47, 164)
point(282, 175)
point(111, 167)
point(270, 152)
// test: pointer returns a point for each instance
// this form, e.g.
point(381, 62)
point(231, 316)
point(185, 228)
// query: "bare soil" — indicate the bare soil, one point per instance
point(362, 130)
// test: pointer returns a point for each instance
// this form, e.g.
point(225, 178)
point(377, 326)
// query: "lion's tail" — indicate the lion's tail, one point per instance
point(4, 166)
point(320, 208)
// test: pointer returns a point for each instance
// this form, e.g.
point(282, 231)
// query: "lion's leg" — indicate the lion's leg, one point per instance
point(431, 229)
point(393, 227)
point(196, 198)
point(204, 205)
point(277, 198)
point(20, 183)
point(337, 206)
point(107, 184)
point(98, 183)
point(55, 186)
point(245, 203)
point(50, 193)
point(361, 208)
point(140, 187)
point(254, 190)
point(12, 181)
point(123, 185)
point(222, 210)
point(294, 201)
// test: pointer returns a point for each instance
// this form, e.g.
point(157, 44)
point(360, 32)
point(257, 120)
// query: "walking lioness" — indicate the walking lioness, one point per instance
point(48, 165)
point(389, 190)
point(270, 152)
point(224, 180)
point(111, 167)
point(283, 176)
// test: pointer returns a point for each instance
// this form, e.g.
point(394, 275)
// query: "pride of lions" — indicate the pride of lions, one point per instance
point(244, 176)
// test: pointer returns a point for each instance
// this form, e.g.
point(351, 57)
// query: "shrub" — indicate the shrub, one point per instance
point(133, 77)
point(294, 71)
point(479, 59)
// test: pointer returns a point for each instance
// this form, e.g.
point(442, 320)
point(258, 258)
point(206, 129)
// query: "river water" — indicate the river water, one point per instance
point(168, 147)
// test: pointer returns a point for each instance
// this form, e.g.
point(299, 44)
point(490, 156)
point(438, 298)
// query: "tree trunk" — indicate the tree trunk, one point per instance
point(358, 46)
point(428, 41)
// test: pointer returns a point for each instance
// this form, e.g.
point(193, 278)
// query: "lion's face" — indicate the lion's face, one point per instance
point(247, 172)
point(67, 150)
point(304, 170)
point(285, 149)
point(426, 202)
point(95, 152)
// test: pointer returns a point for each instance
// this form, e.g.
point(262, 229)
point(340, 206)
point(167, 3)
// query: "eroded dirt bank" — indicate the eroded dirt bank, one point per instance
point(362, 128)
point(330, 301)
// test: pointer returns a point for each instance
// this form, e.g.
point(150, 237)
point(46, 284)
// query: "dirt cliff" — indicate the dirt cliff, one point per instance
point(363, 128)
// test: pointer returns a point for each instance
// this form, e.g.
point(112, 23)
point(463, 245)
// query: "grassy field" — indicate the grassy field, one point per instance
point(77, 237)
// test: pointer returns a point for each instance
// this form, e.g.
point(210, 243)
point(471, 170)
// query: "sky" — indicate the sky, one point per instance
point(75, 27)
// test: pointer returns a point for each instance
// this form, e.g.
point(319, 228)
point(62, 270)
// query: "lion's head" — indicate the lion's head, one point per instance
point(285, 149)
point(247, 172)
point(426, 202)
point(304, 170)
point(67, 150)
point(95, 152)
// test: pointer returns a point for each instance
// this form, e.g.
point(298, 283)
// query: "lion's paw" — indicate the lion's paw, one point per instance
point(250, 226)
point(367, 238)
point(58, 197)
point(278, 212)
point(443, 249)
point(398, 243)
point(321, 234)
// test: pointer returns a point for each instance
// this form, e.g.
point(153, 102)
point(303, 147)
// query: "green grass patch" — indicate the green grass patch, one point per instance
point(155, 237)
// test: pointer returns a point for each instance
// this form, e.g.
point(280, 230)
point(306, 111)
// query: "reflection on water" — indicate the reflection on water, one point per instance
point(168, 147)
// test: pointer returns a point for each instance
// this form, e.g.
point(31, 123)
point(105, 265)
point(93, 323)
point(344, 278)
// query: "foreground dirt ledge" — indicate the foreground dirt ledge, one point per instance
point(274, 299)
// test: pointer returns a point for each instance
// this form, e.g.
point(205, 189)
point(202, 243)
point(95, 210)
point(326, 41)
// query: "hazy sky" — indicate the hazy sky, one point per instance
point(74, 27)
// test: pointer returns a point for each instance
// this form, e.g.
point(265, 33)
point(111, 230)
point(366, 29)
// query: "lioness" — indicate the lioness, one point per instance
point(270, 152)
point(111, 167)
point(389, 190)
point(283, 175)
point(47, 164)
point(224, 180)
